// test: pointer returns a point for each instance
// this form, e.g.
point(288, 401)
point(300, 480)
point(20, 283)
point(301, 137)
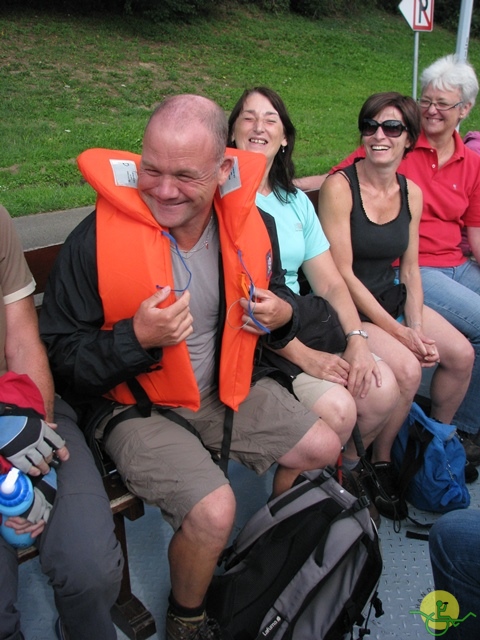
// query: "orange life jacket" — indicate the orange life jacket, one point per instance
point(133, 256)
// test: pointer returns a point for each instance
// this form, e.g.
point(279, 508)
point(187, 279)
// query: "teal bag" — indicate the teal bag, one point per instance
point(430, 461)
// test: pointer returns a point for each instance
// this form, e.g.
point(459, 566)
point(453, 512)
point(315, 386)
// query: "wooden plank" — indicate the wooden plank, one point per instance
point(41, 261)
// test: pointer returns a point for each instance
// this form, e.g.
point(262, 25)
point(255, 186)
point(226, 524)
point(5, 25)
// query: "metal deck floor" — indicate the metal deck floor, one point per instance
point(406, 578)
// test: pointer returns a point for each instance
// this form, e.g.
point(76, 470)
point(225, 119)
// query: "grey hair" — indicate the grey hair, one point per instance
point(450, 73)
point(186, 107)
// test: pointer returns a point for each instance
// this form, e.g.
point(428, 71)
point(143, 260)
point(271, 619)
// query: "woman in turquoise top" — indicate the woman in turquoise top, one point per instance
point(344, 388)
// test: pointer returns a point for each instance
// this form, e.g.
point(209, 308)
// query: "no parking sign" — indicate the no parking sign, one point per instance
point(418, 14)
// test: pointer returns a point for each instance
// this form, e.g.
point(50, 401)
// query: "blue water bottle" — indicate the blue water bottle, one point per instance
point(16, 496)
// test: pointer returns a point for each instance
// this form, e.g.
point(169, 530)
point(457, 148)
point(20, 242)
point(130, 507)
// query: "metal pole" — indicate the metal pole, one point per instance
point(463, 34)
point(415, 64)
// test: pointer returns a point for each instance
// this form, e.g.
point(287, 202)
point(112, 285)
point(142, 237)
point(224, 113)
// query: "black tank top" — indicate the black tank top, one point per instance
point(376, 246)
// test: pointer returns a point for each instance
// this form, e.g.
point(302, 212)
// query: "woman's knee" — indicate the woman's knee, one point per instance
point(380, 401)
point(408, 374)
point(458, 355)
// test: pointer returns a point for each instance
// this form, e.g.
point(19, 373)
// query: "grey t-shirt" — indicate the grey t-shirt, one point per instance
point(202, 262)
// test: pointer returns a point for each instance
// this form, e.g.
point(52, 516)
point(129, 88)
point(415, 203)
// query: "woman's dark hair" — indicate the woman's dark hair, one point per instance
point(282, 171)
point(406, 105)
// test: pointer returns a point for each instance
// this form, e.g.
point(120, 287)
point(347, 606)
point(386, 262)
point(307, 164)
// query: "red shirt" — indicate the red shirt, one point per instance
point(451, 198)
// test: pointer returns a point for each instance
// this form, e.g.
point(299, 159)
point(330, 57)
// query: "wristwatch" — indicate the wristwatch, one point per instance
point(357, 332)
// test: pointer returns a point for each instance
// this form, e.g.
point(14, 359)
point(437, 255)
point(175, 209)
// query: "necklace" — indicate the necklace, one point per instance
point(202, 242)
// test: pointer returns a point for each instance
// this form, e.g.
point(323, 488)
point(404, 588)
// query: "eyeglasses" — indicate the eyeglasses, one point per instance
point(391, 128)
point(439, 106)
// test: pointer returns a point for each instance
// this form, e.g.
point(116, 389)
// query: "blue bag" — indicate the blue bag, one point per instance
point(430, 461)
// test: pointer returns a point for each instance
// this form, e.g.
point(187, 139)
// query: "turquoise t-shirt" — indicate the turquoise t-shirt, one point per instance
point(300, 234)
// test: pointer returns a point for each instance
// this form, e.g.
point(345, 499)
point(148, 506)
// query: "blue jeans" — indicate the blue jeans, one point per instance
point(454, 542)
point(455, 294)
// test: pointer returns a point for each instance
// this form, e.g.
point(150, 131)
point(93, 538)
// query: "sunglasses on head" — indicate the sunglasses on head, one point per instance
point(391, 128)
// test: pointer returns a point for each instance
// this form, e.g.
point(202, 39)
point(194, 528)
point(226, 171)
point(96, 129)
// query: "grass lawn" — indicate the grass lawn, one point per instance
point(69, 83)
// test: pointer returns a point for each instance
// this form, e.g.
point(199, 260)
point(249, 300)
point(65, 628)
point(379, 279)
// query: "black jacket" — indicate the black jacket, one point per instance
point(88, 361)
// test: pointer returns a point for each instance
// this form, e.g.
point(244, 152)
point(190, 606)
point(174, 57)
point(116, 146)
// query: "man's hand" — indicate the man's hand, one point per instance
point(155, 327)
point(268, 309)
point(325, 366)
point(29, 443)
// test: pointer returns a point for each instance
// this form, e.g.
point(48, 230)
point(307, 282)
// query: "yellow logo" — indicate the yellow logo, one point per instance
point(440, 611)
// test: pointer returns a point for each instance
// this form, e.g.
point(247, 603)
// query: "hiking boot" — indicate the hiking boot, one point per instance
point(381, 484)
point(472, 450)
point(204, 629)
point(471, 473)
point(351, 482)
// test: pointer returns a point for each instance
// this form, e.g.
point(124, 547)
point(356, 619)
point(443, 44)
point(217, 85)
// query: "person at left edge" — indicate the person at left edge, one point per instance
point(77, 545)
point(159, 298)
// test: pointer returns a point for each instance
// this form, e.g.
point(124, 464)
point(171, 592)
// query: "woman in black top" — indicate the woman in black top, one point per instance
point(370, 215)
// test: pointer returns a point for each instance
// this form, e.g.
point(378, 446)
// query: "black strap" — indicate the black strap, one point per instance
point(129, 414)
point(227, 440)
point(135, 412)
point(9, 409)
point(357, 438)
point(143, 409)
point(416, 535)
point(178, 419)
point(144, 403)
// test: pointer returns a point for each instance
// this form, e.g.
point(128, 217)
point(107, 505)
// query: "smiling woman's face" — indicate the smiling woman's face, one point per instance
point(380, 148)
point(259, 128)
point(443, 121)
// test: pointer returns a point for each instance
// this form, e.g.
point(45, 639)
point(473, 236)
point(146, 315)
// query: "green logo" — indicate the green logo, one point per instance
point(440, 610)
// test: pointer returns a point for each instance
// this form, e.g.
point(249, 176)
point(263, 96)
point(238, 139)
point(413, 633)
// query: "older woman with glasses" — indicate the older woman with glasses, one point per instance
point(371, 215)
point(448, 174)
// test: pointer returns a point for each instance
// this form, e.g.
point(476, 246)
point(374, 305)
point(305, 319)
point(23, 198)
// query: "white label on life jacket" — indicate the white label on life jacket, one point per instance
point(124, 173)
point(233, 181)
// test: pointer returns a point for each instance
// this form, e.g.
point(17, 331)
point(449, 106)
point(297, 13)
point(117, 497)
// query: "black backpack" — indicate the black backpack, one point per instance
point(304, 567)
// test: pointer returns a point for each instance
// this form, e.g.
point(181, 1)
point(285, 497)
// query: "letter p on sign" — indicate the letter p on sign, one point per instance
point(418, 14)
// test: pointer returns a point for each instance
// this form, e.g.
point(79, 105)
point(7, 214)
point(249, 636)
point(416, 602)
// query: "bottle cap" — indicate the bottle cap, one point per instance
point(8, 485)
